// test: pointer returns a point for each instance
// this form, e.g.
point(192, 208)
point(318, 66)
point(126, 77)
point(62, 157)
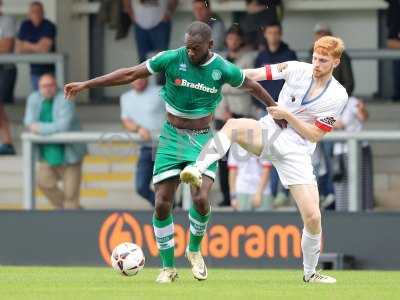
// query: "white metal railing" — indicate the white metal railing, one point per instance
point(353, 140)
point(59, 60)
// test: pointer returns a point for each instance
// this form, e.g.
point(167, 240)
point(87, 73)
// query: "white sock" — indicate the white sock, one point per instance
point(214, 150)
point(311, 246)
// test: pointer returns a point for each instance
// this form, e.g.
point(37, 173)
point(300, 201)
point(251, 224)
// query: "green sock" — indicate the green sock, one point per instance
point(164, 233)
point(198, 225)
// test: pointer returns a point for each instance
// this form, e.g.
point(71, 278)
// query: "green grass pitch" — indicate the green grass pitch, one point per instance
point(104, 283)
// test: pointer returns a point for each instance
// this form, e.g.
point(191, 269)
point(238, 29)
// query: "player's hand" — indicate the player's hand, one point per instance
point(73, 88)
point(256, 201)
point(144, 134)
point(279, 114)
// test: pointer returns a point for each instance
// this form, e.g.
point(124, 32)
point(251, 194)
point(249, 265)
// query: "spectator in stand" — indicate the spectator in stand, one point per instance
point(48, 112)
point(143, 112)
point(202, 12)
point(235, 103)
point(37, 35)
point(394, 43)
point(248, 181)
point(259, 14)
point(276, 51)
point(351, 120)
point(8, 75)
point(152, 24)
point(343, 72)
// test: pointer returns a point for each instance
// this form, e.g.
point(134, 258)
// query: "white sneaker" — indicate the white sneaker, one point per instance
point(190, 174)
point(167, 275)
point(319, 278)
point(199, 268)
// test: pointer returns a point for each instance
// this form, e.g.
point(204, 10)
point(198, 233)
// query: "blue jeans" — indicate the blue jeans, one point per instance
point(152, 40)
point(144, 174)
point(325, 182)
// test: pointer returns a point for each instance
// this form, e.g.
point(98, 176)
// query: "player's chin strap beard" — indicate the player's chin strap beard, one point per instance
point(204, 58)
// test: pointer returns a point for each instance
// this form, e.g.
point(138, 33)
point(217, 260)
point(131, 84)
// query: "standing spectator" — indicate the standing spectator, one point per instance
point(202, 12)
point(235, 103)
point(276, 51)
point(143, 111)
point(48, 112)
point(394, 43)
point(37, 35)
point(343, 72)
point(8, 75)
point(248, 181)
point(152, 24)
point(260, 13)
point(351, 120)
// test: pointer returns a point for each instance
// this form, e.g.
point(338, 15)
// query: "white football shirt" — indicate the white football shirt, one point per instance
point(322, 110)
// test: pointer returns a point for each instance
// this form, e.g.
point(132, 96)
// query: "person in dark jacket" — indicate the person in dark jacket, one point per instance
point(276, 51)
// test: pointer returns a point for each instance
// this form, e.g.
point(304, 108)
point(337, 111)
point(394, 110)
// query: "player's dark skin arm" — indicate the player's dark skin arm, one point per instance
point(119, 77)
point(257, 91)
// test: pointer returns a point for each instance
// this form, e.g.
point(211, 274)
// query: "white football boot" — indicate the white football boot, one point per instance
point(319, 278)
point(190, 174)
point(167, 275)
point(199, 268)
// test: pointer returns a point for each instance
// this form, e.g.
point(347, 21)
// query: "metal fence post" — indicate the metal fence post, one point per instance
point(353, 174)
point(29, 173)
point(60, 70)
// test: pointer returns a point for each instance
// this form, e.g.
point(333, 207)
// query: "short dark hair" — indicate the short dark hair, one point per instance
point(200, 29)
point(235, 29)
point(38, 3)
point(206, 2)
point(273, 24)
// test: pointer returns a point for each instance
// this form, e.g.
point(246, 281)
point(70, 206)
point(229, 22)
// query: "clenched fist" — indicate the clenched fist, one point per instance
point(73, 88)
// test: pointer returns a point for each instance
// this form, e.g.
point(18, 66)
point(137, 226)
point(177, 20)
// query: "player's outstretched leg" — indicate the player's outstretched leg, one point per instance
point(163, 225)
point(199, 215)
point(246, 132)
point(306, 197)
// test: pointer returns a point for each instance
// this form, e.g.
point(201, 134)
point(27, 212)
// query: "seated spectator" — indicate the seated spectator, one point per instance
point(8, 74)
point(37, 35)
point(202, 12)
point(48, 112)
point(259, 14)
point(248, 181)
point(394, 43)
point(235, 103)
point(143, 112)
point(343, 72)
point(152, 24)
point(351, 120)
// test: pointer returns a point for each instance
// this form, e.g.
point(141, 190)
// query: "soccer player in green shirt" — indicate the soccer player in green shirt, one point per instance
point(194, 77)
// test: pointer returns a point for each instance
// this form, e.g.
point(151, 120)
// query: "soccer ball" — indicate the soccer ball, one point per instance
point(127, 259)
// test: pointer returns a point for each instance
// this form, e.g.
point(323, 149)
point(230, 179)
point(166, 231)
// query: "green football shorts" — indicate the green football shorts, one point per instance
point(178, 148)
